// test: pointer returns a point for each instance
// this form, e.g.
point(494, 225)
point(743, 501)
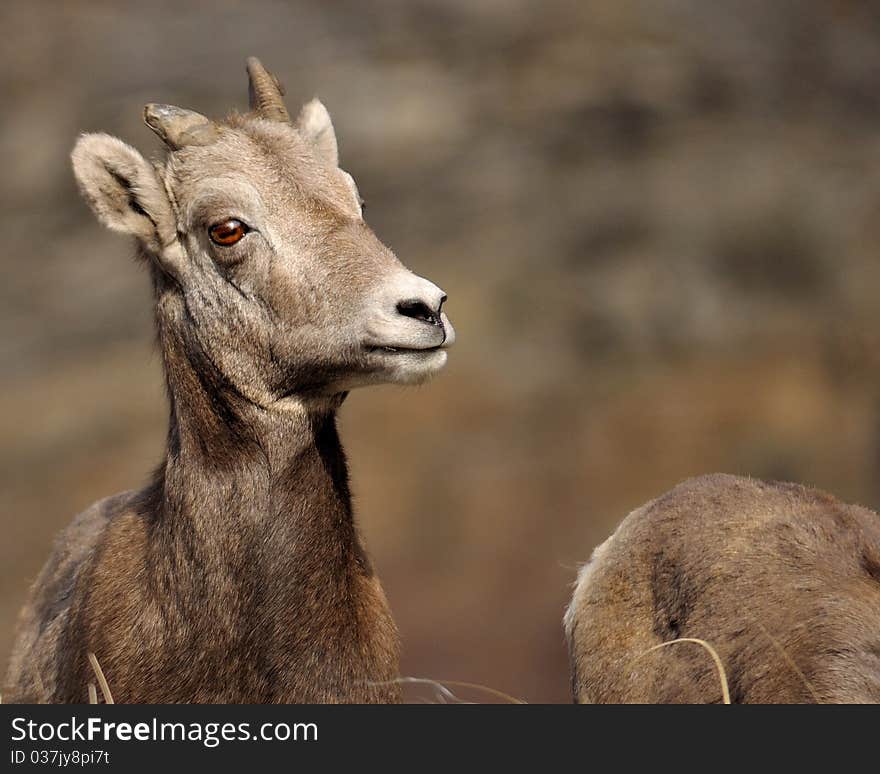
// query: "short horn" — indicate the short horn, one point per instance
point(265, 92)
point(178, 127)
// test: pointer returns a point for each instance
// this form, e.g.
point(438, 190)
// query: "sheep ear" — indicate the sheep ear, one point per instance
point(314, 125)
point(122, 189)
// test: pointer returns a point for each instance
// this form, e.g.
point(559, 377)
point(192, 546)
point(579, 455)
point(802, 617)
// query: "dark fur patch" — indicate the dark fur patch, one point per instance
point(674, 596)
point(871, 565)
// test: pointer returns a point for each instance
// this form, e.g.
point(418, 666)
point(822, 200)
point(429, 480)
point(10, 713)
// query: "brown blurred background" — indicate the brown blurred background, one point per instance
point(658, 224)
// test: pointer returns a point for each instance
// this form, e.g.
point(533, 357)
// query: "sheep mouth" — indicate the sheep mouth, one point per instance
point(384, 348)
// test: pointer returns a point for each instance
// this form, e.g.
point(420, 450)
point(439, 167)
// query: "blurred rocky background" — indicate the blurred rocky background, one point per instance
point(658, 224)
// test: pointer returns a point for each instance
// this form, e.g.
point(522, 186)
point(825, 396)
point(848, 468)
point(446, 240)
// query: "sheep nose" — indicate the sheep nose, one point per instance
point(423, 310)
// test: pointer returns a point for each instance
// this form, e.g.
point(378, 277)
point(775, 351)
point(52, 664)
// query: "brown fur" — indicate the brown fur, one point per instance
point(237, 574)
point(780, 579)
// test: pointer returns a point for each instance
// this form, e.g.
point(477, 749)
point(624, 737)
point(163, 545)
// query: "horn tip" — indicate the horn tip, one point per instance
point(155, 113)
point(151, 114)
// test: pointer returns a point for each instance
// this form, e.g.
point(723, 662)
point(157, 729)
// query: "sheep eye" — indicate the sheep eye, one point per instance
point(228, 232)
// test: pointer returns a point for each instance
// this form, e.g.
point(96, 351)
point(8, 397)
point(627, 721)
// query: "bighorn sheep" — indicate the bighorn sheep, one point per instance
point(237, 574)
point(781, 580)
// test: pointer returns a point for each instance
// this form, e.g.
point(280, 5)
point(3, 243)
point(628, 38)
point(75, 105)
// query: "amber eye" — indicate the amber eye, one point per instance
point(228, 232)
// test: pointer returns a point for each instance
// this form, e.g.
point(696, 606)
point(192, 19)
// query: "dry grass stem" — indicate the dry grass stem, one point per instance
point(445, 696)
point(722, 675)
point(790, 661)
point(102, 681)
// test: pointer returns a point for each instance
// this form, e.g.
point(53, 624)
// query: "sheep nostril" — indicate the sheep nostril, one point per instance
point(419, 310)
